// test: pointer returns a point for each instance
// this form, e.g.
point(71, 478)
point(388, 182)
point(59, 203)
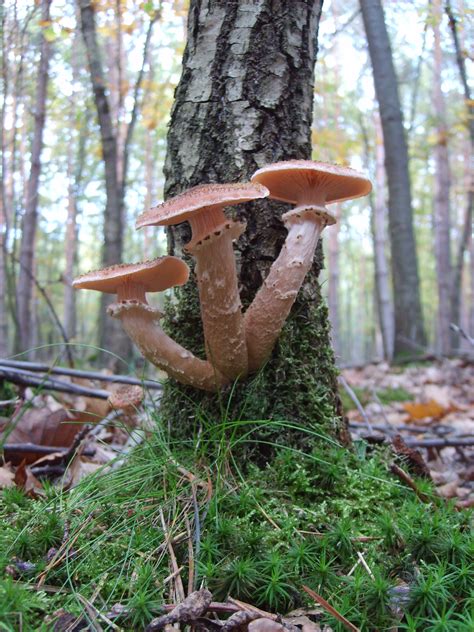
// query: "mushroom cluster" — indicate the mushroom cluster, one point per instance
point(236, 344)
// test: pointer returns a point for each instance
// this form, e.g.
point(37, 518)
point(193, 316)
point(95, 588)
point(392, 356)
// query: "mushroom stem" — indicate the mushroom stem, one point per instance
point(141, 323)
point(221, 309)
point(269, 310)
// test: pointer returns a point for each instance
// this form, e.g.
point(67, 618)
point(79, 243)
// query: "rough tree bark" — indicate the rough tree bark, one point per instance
point(245, 99)
point(409, 331)
point(442, 185)
point(30, 217)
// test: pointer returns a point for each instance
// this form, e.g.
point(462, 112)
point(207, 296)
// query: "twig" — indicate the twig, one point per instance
point(27, 378)
point(402, 475)
point(242, 605)
point(459, 330)
point(91, 375)
point(365, 565)
point(20, 448)
point(322, 602)
point(8, 402)
point(174, 563)
point(440, 443)
point(356, 401)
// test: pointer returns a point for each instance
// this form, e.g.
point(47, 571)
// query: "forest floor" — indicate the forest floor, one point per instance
point(102, 535)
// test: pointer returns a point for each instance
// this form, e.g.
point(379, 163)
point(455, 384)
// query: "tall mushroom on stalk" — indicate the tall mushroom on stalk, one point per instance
point(310, 186)
point(216, 273)
point(130, 282)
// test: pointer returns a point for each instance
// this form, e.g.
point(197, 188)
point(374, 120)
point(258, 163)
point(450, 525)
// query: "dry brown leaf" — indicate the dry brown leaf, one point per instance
point(265, 625)
point(423, 410)
point(7, 476)
point(27, 481)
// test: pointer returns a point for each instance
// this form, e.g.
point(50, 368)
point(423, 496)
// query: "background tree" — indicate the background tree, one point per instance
point(409, 331)
point(30, 217)
point(116, 133)
point(245, 99)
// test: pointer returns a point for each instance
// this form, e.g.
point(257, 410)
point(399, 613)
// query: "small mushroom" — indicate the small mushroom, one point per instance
point(216, 273)
point(310, 186)
point(130, 282)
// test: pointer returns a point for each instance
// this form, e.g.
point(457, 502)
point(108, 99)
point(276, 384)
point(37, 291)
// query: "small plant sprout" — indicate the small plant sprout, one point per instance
point(211, 245)
point(310, 186)
point(130, 282)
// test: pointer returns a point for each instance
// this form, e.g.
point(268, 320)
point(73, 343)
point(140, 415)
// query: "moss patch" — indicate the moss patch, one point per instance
point(266, 529)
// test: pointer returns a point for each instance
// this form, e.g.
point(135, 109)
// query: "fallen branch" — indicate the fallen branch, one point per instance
point(440, 443)
point(403, 476)
point(27, 378)
point(353, 396)
point(91, 375)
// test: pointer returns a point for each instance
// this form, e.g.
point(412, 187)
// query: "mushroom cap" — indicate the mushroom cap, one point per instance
point(126, 396)
point(155, 275)
point(292, 180)
point(204, 196)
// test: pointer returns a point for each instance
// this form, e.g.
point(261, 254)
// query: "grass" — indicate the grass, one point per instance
point(262, 532)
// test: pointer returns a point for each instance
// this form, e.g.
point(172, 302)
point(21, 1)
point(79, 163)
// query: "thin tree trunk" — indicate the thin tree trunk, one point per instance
point(30, 217)
point(409, 329)
point(333, 281)
point(466, 235)
point(111, 335)
point(245, 99)
point(379, 235)
point(441, 208)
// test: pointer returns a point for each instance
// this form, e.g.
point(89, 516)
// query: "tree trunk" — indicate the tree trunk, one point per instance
point(30, 217)
point(115, 147)
point(111, 336)
point(441, 207)
point(244, 100)
point(379, 235)
point(466, 234)
point(409, 330)
point(333, 281)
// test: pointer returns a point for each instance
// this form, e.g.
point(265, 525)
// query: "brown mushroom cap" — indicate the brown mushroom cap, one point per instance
point(155, 275)
point(126, 397)
point(205, 196)
point(296, 180)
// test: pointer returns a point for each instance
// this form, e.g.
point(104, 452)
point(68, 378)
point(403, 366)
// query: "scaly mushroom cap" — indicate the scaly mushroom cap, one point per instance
point(184, 206)
point(155, 275)
point(306, 182)
point(127, 397)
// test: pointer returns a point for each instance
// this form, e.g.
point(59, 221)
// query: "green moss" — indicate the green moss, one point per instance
point(266, 529)
point(297, 384)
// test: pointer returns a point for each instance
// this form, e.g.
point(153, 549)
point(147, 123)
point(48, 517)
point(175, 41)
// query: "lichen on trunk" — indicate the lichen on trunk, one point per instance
point(244, 100)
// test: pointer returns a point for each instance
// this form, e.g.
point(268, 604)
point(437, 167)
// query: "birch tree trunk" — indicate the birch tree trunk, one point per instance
point(409, 331)
point(379, 234)
point(441, 207)
point(245, 99)
point(333, 281)
point(30, 217)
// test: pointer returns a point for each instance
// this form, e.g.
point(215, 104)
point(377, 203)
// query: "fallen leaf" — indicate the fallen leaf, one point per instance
point(422, 410)
point(7, 476)
point(27, 481)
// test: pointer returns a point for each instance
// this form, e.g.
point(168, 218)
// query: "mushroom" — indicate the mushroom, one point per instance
point(216, 273)
point(309, 186)
point(130, 282)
